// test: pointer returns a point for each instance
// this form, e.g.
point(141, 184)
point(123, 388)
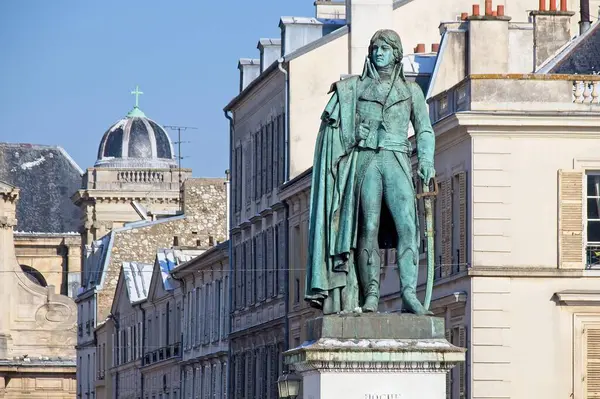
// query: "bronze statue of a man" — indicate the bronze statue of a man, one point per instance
point(363, 196)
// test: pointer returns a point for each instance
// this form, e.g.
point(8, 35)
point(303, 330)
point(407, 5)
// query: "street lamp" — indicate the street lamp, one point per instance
point(289, 385)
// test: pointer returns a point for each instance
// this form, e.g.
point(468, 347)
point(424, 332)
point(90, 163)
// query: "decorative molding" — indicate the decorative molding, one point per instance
point(375, 355)
point(375, 367)
point(578, 298)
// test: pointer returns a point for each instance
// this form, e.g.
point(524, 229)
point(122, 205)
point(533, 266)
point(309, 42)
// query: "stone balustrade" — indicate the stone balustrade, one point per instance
point(586, 92)
point(518, 93)
point(135, 179)
point(141, 176)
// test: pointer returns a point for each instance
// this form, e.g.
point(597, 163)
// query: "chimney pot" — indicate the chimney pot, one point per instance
point(500, 11)
point(494, 14)
point(435, 47)
point(420, 48)
point(563, 5)
point(476, 10)
point(488, 7)
point(552, 5)
point(464, 16)
point(542, 6)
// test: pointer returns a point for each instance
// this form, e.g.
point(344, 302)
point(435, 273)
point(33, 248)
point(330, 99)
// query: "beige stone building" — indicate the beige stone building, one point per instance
point(516, 239)
point(204, 292)
point(201, 225)
point(46, 237)
point(135, 177)
point(522, 123)
point(37, 325)
point(104, 351)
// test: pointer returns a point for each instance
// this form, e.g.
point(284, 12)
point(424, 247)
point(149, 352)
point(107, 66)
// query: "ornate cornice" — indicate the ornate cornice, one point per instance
point(375, 355)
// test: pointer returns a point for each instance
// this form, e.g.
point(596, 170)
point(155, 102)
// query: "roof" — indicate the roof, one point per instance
point(97, 261)
point(168, 259)
point(47, 178)
point(137, 278)
point(580, 56)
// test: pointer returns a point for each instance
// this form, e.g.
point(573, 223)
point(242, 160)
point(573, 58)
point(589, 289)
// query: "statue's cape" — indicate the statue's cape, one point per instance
point(334, 203)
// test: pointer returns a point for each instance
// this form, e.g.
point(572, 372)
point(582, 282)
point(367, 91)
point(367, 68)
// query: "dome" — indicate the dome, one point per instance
point(136, 142)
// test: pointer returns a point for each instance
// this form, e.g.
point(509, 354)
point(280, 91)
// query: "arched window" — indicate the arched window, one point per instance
point(34, 275)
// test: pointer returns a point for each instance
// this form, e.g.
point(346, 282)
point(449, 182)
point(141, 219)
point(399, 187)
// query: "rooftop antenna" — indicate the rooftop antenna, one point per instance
point(179, 156)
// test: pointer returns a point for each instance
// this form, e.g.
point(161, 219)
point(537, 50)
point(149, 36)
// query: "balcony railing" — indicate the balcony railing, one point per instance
point(164, 353)
point(586, 92)
point(592, 257)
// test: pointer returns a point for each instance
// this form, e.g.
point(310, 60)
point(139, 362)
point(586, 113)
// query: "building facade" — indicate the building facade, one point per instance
point(204, 292)
point(37, 325)
point(46, 237)
point(200, 226)
point(522, 121)
point(135, 177)
point(465, 239)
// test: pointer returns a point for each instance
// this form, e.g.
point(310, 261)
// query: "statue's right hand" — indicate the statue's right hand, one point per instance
point(362, 132)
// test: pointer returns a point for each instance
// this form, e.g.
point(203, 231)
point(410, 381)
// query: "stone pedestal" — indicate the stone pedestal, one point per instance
point(374, 356)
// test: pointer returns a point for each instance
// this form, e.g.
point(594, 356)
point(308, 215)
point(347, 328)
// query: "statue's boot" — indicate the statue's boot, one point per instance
point(409, 273)
point(369, 262)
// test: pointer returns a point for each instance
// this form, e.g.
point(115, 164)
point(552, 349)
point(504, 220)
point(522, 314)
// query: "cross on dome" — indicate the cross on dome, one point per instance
point(137, 93)
point(136, 111)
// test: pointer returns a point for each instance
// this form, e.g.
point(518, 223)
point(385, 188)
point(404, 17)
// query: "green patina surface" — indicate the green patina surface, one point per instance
point(375, 326)
point(363, 195)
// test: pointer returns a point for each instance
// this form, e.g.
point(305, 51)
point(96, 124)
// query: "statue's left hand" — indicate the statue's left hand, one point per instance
point(426, 172)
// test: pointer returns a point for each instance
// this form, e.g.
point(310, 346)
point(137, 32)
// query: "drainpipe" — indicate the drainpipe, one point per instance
point(182, 366)
point(286, 173)
point(228, 196)
point(143, 347)
point(117, 327)
point(231, 264)
point(584, 23)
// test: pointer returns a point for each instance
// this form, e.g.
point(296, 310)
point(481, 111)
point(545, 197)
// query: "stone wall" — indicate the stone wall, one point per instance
point(204, 222)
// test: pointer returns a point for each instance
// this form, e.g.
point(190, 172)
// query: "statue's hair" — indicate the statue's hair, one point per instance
point(390, 37)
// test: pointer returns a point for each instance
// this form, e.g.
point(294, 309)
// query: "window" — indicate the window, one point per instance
point(297, 290)
point(586, 365)
point(168, 324)
point(593, 219)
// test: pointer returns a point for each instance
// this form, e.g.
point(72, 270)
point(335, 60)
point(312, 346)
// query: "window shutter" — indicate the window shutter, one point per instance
point(446, 216)
point(247, 284)
point(570, 219)
point(462, 367)
point(269, 163)
point(282, 148)
point(592, 362)
point(249, 177)
point(282, 254)
point(275, 145)
point(448, 335)
point(270, 263)
point(462, 195)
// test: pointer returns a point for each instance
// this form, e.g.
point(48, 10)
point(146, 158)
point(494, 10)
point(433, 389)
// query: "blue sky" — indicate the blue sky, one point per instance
point(67, 68)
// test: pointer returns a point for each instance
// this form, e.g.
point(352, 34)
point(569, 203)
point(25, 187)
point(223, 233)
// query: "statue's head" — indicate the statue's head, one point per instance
point(385, 48)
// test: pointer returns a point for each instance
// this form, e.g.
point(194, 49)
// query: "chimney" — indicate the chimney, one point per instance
point(435, 47)
point(551, 30)
point(364, 18)
point(584, 23)
point(249, 70)
point(270, 51)
point(487, 40)
point(420, 48)
point(330, 9)
point(297, 32)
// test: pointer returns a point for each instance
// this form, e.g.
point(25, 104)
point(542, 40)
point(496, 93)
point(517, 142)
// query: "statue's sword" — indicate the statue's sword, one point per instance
point(427, 194)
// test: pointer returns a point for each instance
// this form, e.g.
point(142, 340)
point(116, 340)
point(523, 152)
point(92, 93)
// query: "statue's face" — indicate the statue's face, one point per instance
point(382, 54)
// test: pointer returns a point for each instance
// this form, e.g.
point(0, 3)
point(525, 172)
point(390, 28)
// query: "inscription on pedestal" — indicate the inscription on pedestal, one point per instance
point(383, 396)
